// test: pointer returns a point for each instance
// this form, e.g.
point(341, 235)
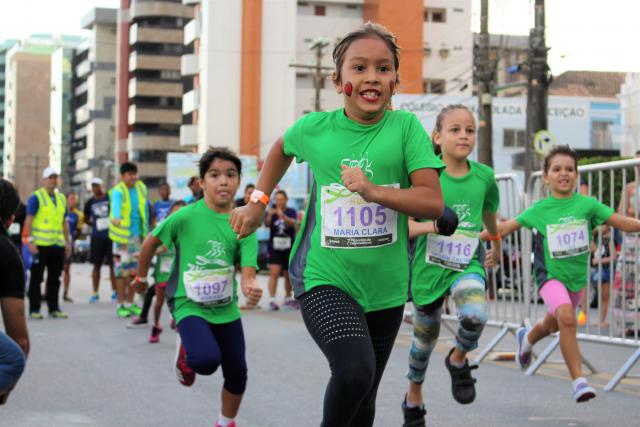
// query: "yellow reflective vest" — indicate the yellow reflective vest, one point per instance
point(121, 233)
point(47, 227)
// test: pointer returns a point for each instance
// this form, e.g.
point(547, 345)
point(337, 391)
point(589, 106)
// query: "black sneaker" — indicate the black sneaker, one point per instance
point(463, 386)
point(413, 417)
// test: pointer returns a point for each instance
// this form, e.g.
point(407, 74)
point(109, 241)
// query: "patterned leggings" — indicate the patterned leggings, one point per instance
point(468, 293)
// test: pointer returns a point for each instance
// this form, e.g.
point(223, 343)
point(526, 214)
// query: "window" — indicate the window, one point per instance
point(320, 10)
point(514, 138)
point(434, 86)
point(435, 15)
point(601, 137)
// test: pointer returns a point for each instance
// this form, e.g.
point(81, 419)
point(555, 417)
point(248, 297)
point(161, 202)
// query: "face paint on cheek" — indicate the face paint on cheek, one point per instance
point(392, 86)
point(348, 88)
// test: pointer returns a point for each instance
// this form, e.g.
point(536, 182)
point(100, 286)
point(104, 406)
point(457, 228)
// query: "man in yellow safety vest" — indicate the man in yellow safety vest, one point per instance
point(47, 234)
point(128, 227)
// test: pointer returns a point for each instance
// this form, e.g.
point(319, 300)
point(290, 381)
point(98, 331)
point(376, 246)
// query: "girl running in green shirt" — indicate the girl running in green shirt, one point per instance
point(451, 265)
point(202, 290)
point(563, 223)
point(349, 264)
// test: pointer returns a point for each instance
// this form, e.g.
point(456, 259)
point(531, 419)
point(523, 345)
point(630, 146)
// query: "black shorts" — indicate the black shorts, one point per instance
point(101, 251)
point(279, 258)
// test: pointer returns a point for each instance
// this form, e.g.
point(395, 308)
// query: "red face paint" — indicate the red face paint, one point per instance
point(392, 86)
point(348, 88)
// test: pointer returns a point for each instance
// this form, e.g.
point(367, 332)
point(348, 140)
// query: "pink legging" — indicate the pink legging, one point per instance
point(554, 294)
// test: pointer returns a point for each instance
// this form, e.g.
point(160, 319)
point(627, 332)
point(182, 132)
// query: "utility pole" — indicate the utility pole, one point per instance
point(319, 72)
point(537, 88)
point(484, 73)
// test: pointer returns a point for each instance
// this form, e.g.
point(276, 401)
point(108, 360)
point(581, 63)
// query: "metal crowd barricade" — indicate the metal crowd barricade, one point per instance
point(618, 318)
point(507, 302)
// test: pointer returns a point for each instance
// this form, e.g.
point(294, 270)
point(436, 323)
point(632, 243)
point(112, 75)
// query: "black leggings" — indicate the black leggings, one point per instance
point(357, 346)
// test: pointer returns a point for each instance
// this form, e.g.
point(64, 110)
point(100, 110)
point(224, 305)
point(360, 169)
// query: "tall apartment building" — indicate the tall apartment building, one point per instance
point(149, 91)
point(28, 109)
point(239, 55)
point(61, 123)
point(4, 47)
point(630, 106)
point(94, 89)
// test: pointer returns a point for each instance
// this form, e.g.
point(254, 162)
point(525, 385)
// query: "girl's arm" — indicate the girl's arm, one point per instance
point(490, 221)
point(149, 247)
point(422, 200)
point(245, 220)
point(504, 228)
point(249, 287)
point(291, 222)
point(419, 228)
point(624, 223)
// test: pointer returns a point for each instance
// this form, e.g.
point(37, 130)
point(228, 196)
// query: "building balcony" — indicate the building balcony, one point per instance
point(138, 87)
point(80, 133)
point(154, 115)
point(153, 62)
point(141, 9)
point(140, 34)
point(189, 65)
point(191, 2)
point(83, 68)
point(192, 31)
point(81, 88)
point(83, 115)
point(190, 101)
point(188, 135)
point(143, 141)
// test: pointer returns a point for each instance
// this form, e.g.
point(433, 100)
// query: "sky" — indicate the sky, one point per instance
point(583, 34)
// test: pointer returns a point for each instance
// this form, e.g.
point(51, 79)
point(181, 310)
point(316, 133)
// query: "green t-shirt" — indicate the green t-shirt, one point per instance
point(206, 251)
point(164, 264)
point(359, 247)
point(469, 196)
point(561, 245)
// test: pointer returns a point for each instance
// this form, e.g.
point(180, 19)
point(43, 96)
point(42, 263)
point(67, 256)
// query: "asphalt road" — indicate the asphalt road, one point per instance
point(90, 370)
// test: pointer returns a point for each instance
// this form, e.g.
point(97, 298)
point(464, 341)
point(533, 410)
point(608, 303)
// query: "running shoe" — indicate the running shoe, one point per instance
point(137, 322)
point(231, 424)
point(94, 298)
point(114, 296)
point(413, 417)
point(67, 298)
point(584, 392)
point(185, 374)
point(58, 314)
point(155, 334)
point(273, 306)
point(523, 359)
point(36, 315)
point(134, 309)
point(463, 386)
point(123, 311)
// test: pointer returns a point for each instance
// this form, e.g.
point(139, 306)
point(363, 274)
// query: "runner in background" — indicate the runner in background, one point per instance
point(96, 215)
point(281, 221)
point(563, 224)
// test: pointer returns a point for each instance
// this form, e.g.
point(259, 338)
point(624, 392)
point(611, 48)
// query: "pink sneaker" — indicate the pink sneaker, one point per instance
point(185, 374)
point(231, 424)
point(155, 334)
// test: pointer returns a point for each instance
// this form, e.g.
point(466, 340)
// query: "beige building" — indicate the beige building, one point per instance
point(149, 87)
point(94, 90)
point(26, 130)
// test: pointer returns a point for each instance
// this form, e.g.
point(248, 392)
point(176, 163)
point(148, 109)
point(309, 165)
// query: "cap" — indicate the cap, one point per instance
point(95, 181)
point(48, 171)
